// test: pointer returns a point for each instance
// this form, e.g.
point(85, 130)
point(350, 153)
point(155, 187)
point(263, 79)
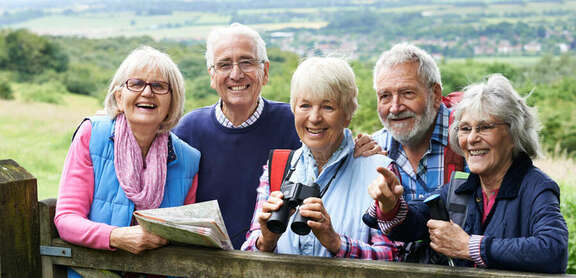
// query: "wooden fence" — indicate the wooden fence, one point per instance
point(30, 247)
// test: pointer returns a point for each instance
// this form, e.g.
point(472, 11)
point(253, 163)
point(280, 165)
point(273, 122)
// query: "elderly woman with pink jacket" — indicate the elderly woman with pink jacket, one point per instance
point(128, 160)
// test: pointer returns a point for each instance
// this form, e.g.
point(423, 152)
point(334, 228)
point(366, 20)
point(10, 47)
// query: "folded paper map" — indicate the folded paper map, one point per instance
point(196, 224)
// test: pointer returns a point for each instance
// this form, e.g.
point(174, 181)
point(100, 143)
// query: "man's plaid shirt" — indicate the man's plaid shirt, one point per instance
point(430, 172)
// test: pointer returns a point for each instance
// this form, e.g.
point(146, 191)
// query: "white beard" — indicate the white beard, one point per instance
point(422, 124)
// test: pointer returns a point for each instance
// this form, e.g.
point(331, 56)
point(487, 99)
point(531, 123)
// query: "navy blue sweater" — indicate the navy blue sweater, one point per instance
point(232, 159)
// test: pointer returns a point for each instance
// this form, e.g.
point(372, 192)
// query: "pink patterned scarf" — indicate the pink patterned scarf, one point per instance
point(143, 185)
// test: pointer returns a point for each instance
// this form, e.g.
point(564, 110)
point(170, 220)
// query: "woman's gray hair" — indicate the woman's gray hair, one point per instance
point(233, 30)
point(325, 78)
point(497, 98)
point(405, 53)
point(146, 58)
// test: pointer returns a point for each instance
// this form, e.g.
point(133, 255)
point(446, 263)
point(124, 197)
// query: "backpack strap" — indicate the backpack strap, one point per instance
point(457, 204)
point(78, 128)
point(452, 99)
point(278, 165)
point(452, 161)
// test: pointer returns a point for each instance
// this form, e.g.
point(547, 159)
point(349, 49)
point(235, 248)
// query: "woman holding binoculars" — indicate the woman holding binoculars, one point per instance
point(323, 98)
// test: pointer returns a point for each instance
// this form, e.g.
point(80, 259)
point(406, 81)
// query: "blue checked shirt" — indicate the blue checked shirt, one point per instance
point(430, 172)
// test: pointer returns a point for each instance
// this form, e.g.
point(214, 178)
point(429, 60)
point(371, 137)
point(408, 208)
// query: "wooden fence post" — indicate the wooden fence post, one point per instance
point(20, 234)
point(48, 232)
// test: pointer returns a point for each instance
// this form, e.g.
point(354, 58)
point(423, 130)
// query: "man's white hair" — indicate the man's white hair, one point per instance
point(404, 53)
point(233, 30)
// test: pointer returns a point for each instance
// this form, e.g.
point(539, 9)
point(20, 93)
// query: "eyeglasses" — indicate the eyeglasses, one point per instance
point(481, 129)
point(246, 66)
point(138, 85)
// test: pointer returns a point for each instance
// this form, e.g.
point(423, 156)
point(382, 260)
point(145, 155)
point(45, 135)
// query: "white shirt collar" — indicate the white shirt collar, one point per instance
point(251, 120)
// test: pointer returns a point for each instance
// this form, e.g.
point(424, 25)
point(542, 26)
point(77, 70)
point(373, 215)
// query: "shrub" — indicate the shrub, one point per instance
point(6, 91)
point(86, 80)
point(50, 92)
point(199, 87)
point(31, 54)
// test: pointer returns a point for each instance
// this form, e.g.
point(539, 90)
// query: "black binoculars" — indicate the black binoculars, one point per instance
point(294, 195)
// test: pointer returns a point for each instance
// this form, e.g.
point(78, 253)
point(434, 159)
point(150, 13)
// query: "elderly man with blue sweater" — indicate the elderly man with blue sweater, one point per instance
point(236, 134)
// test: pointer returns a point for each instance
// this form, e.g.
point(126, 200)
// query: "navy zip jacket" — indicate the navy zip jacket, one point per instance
point(524, 231)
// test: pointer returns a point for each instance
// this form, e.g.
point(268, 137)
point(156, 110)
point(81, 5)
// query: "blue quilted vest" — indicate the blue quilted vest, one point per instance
point(110, 204)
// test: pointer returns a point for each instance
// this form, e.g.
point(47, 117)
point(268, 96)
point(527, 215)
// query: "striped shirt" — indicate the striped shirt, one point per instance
point(430, 172)
point(227, 123)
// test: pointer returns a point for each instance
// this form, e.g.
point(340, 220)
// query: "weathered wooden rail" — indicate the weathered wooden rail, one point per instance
point(30, 247)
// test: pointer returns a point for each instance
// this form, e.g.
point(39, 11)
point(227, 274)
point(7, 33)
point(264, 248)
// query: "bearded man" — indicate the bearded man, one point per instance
point(415, 134)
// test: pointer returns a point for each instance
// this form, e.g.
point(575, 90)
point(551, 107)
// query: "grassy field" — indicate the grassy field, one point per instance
point(37, 136)
point(445, 8)
point(177, 26)
point(192, 25)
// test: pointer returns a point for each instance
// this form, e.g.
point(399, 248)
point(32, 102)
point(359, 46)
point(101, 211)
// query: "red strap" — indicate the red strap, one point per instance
point(452, 99)
point(277, 167)
point(452, 161)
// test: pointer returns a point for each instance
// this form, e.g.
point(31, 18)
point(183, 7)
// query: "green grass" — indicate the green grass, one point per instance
point(446, 8)
point(561, 168)
point(194, 25)
point(37, 136)
point(291, 10)
point(568, 206)
point(191, 25)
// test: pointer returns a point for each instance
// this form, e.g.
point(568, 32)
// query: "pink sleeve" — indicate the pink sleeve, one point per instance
point(191, 197)
point(75, 196)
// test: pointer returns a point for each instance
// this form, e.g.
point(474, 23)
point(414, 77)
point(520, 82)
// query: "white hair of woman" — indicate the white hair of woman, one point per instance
point(326, 78)
point(497, 98)
point(148, 58)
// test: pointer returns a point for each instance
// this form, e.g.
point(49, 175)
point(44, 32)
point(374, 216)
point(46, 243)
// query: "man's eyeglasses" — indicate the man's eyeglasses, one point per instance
point(481, 129)
point(246, 66)
point(138, 85)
